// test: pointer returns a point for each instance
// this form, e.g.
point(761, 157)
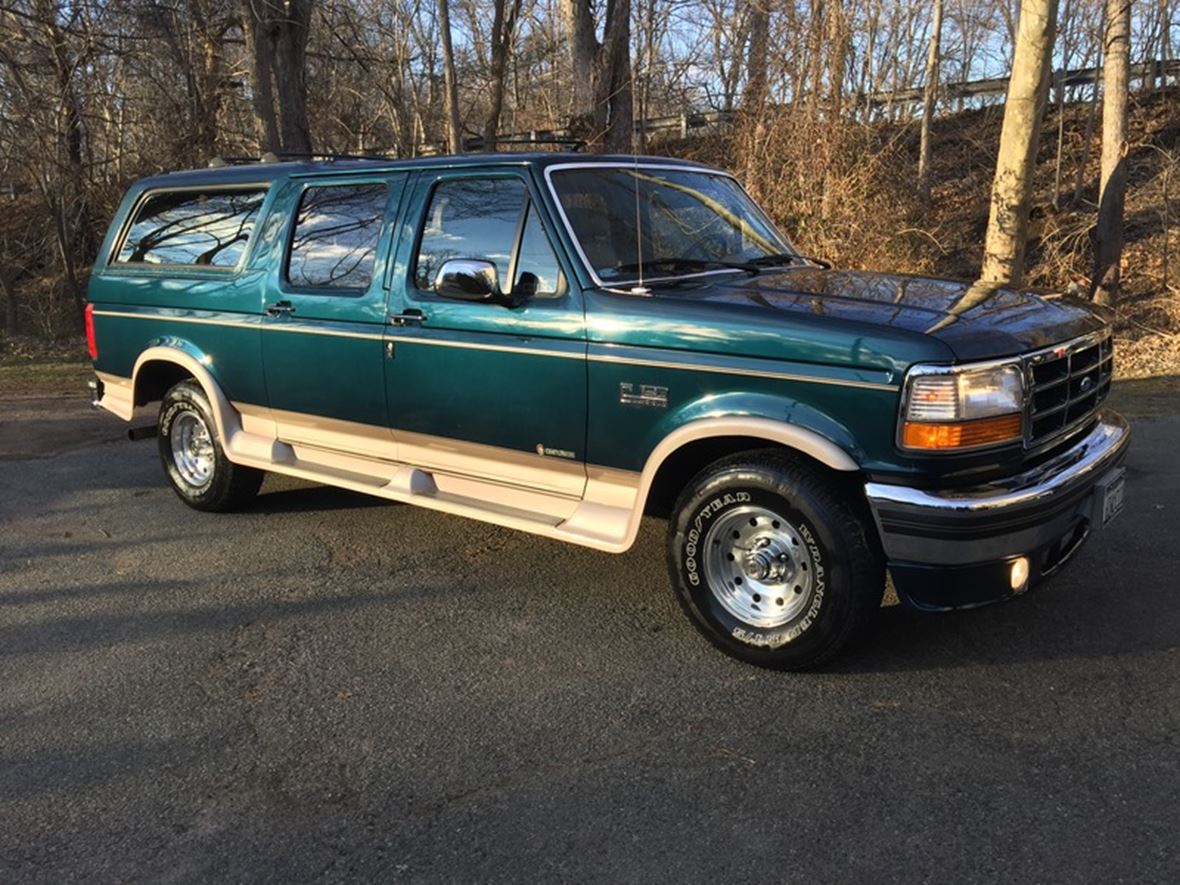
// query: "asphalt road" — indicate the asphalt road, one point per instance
point(330, 688)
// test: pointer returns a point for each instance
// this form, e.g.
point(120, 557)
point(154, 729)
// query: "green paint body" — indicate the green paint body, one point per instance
point(826, 352)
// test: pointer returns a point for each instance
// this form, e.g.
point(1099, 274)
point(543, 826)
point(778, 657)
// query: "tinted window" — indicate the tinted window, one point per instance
point(335, 240)
point(537, 271)
point(205, 228)
point(667, 220)
point(471, 218)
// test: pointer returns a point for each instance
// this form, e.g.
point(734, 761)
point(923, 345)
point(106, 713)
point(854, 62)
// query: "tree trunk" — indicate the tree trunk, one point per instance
point(291, 76)
point(1007, 227)
point(503, 33)
point(929, 101)
point(754, 98)
point(756, 58)
point(614, 77)
point(276, 34)
point(600, 108)
point(261, 54)
point(67, 199)
point(11, 313)
point(1112, 192)
point(450, 84)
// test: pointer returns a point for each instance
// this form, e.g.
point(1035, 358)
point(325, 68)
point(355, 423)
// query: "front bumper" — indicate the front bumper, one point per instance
point(956, 548)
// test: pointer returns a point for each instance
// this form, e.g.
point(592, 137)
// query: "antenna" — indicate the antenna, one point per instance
point(639, 288)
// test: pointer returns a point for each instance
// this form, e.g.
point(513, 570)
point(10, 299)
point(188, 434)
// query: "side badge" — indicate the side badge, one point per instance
point(544, 450)
point(643, 395)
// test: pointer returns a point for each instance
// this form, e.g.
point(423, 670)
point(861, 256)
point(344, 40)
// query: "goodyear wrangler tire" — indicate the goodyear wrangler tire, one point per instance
point(194, 460)
point(772, 562)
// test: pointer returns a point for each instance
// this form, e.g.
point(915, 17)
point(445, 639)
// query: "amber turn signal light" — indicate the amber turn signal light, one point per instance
point(960, 435)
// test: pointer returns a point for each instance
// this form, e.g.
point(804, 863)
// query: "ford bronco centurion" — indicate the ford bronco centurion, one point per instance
point(560, 344)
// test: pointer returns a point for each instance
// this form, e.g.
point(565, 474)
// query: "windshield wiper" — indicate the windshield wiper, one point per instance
point(673, 265)
point(787, 257)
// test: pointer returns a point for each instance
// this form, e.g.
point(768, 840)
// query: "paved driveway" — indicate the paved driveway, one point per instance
point(329, 688)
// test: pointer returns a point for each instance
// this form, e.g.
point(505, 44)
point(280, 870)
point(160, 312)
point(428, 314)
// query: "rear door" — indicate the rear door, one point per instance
point(325, 312)
point(485, 389)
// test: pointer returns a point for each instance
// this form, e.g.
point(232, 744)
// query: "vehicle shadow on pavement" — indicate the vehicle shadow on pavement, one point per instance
point(167, 621)
point(311, 498)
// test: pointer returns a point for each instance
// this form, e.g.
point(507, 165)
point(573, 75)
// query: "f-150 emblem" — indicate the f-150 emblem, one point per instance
point(643, 395)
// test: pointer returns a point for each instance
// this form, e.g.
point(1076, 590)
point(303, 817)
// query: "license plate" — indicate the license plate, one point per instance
point(1112, 498)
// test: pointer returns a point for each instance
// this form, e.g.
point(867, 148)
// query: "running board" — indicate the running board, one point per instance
point(540, 513)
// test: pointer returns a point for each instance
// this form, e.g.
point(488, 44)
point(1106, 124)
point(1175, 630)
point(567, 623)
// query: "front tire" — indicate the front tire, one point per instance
point(193, 457)
point(773, 562)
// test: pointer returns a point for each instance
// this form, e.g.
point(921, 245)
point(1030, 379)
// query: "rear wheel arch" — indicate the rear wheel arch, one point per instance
point(160, 364)
point(156, 377)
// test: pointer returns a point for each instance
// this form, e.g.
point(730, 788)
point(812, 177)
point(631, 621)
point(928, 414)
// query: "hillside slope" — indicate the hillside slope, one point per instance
point(853, 200)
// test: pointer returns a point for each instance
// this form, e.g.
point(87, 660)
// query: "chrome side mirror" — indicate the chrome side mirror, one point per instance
point(468, 279)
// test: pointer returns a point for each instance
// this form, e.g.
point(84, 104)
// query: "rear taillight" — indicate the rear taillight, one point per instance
point(91, 341)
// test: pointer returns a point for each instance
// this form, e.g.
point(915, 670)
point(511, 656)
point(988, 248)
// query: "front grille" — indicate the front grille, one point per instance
point(1066, 384)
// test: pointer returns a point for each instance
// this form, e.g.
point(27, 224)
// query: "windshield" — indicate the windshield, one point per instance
point(662, 222)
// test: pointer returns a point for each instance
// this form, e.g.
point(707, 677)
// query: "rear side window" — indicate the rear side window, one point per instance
point(334, 244)
point(201, 228)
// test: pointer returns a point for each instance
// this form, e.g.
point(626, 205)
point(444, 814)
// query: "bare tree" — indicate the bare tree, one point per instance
point(929, 102)
point(277, 35)
point(1007, 227)
point(600, 74)
point(1112, 193)
point(450, 80)
point(503, 32)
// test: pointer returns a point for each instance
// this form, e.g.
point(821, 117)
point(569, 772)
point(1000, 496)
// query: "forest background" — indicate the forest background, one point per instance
point(870, 129)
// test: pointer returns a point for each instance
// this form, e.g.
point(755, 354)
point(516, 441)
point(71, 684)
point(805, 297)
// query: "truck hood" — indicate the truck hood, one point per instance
point(976, 320)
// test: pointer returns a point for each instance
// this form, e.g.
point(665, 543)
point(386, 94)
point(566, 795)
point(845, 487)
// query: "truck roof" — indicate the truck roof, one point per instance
point(257, 171)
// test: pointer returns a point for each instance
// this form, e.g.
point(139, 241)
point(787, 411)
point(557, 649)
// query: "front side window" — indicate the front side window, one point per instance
point(205, 228)
point(664, 221)
point(490, 219)
point(334, 243)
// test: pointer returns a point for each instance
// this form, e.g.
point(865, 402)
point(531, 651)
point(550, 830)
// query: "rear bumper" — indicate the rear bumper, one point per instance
point(956, 548)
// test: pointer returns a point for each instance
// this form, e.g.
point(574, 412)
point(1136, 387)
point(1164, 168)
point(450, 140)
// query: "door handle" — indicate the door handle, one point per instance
point(280, 308)
point(410, 317)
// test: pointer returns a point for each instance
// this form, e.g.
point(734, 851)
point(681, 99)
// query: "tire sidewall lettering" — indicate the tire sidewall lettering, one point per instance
point(754, 637)
point(700, 524)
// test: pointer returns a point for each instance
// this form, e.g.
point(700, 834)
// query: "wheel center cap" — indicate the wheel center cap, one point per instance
point(767, 561)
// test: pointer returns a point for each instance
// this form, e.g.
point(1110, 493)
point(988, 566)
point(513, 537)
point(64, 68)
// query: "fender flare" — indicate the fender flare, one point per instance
point(791, 436)
point(224, 415)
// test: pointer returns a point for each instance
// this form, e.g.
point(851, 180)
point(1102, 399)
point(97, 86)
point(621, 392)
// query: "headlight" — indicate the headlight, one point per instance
point(953, 408)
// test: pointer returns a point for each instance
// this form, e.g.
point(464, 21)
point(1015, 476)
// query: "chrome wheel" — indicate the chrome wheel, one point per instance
point(758, 567)
point(192, 449)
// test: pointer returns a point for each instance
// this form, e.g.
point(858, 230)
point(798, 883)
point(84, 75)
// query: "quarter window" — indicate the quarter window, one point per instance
point(491, 219)
point(537, 272)
point(334, 244)
point(209, 228)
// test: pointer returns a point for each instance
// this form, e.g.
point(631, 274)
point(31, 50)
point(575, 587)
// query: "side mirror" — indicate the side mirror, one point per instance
point(468, 279)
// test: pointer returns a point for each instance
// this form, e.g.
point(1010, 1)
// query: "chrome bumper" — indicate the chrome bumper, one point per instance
point(1005, 517)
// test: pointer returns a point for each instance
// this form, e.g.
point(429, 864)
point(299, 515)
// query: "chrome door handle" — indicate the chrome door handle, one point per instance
point(410, 317)
point(280, 308)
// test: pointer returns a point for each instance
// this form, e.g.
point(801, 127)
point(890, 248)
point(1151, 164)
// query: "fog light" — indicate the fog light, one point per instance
point(1019, 574)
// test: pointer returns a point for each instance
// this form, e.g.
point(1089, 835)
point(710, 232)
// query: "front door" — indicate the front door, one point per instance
point(325, 313)
point(485, 389)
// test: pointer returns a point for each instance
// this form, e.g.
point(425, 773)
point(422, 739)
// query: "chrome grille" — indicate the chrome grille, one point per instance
point(1066, 384)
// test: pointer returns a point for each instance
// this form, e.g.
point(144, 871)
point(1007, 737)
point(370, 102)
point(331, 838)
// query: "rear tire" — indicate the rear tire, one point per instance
point(193, 457)
point(772, 562)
